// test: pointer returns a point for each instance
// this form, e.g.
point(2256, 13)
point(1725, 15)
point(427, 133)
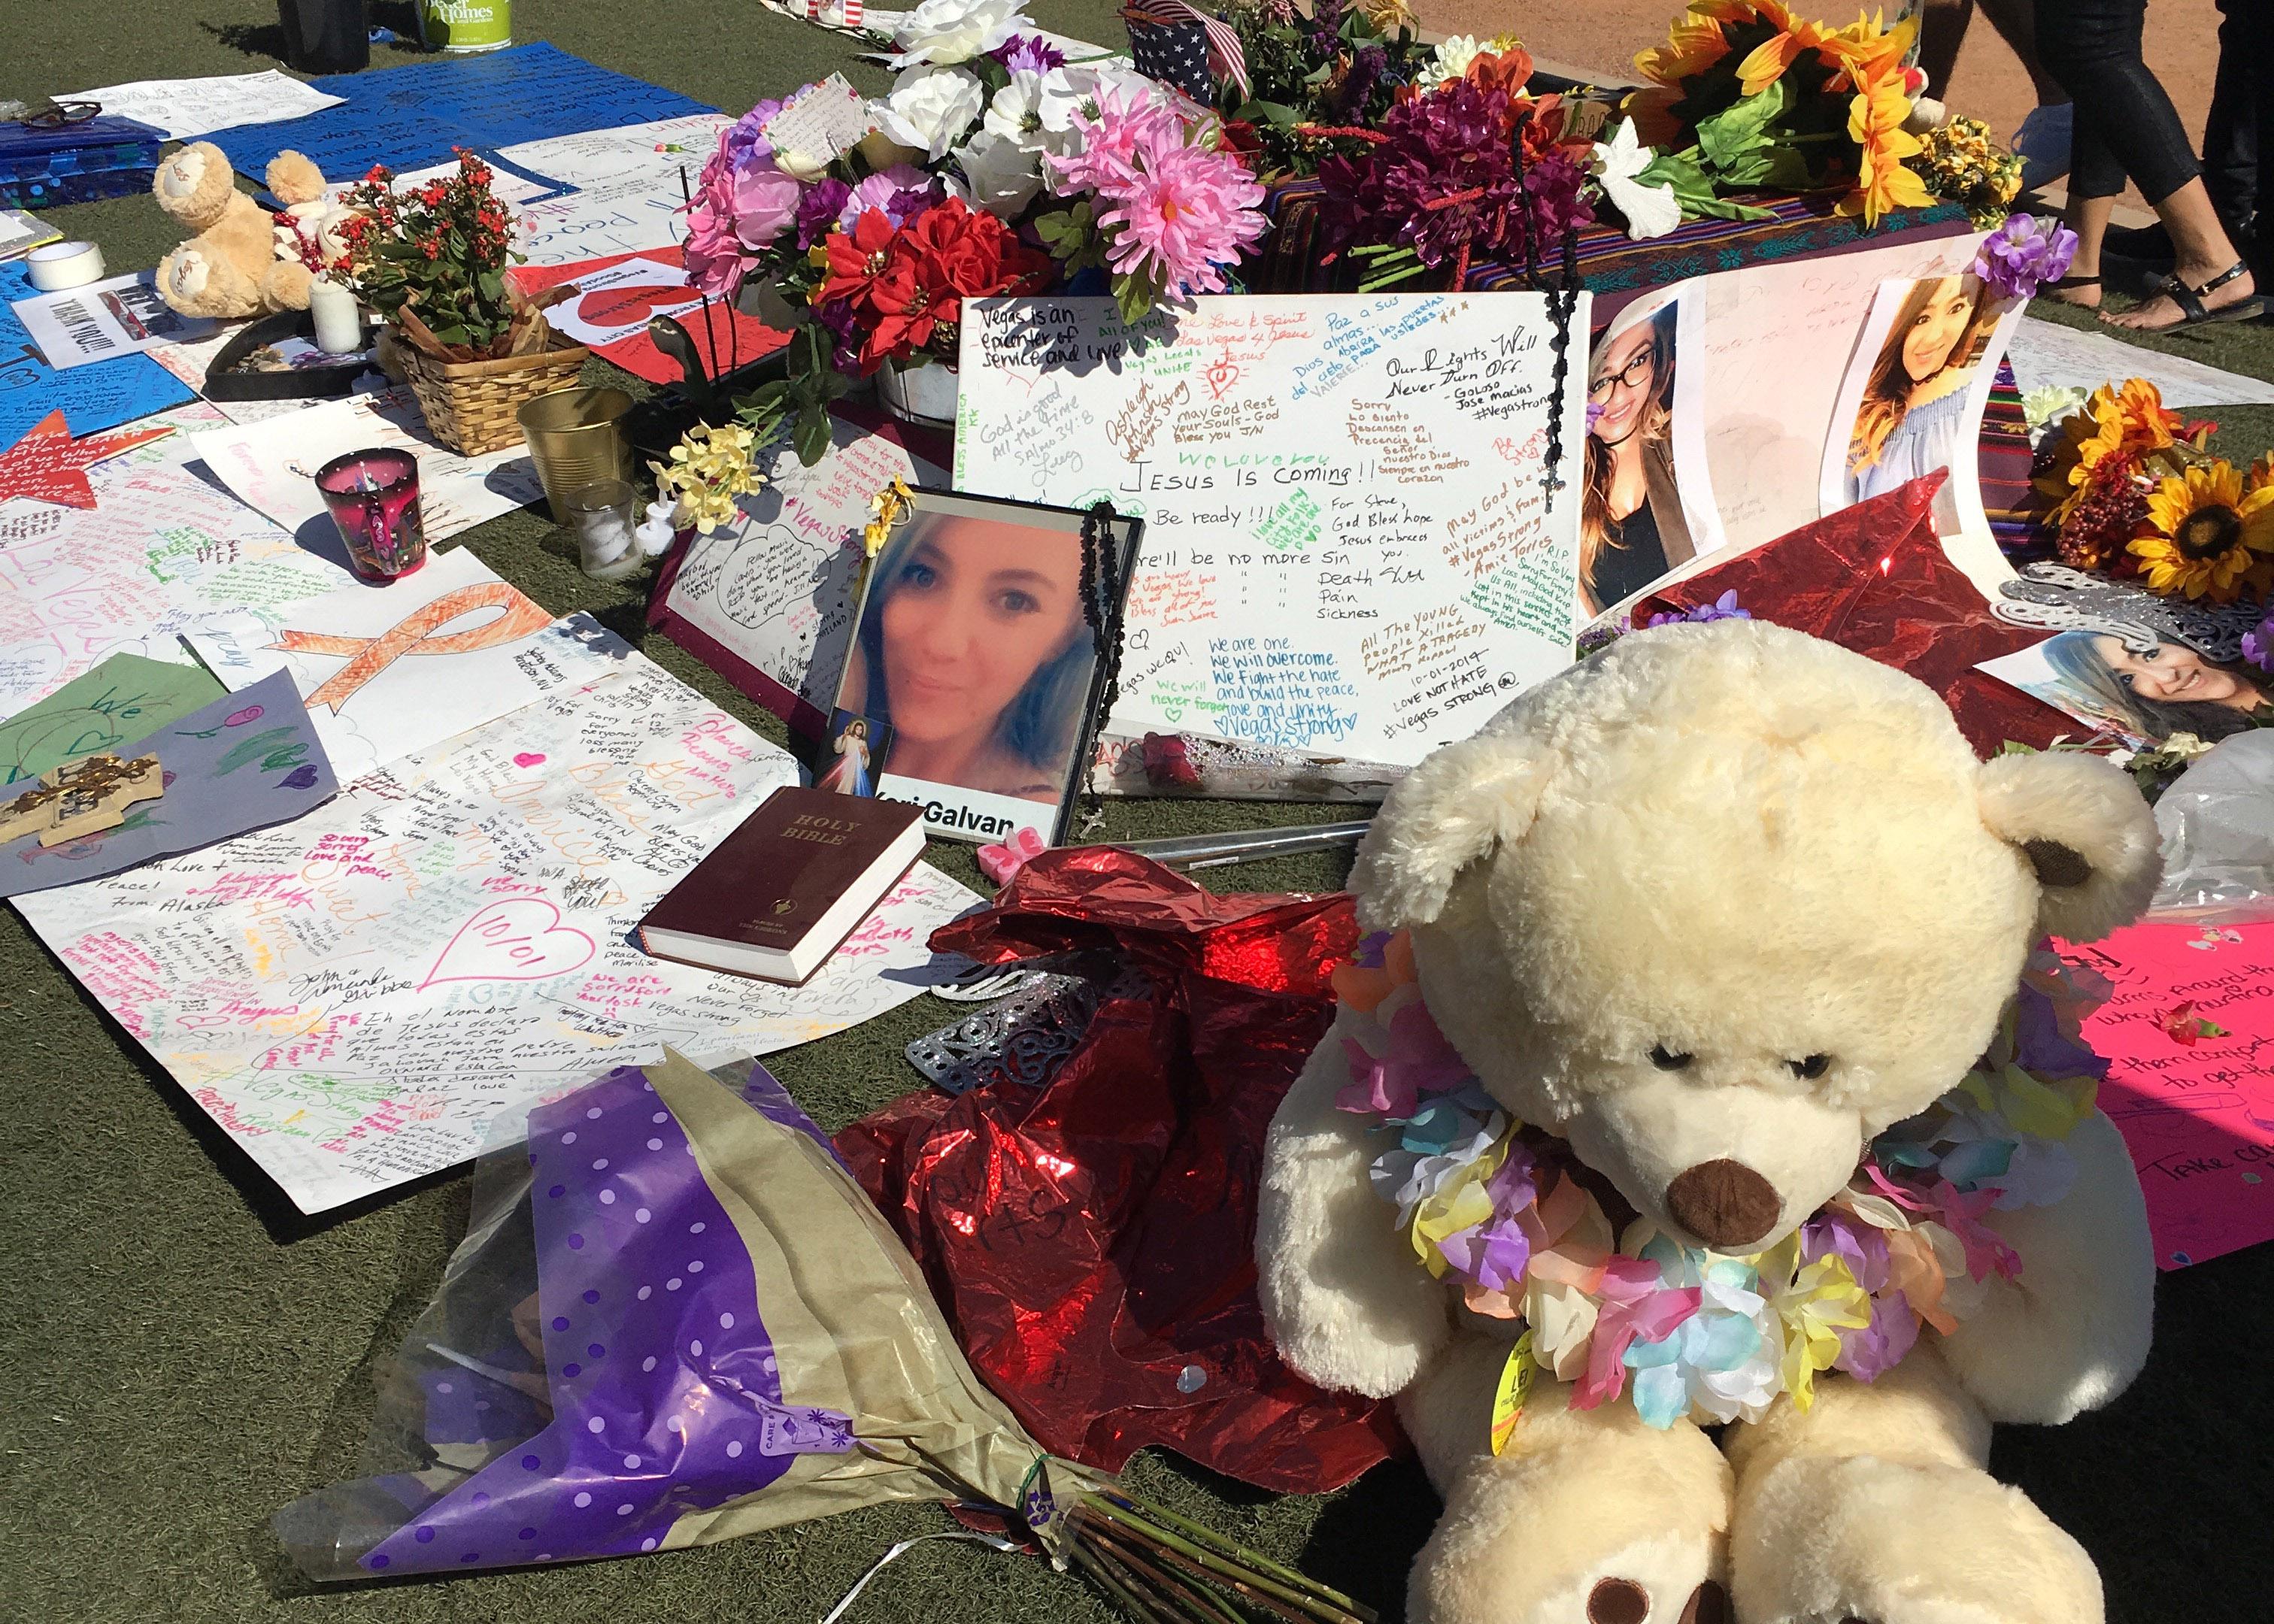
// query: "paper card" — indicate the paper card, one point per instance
point(653, 153)
point(244, 761)
point(109, 707)
point(2197, 1107)
point(1349, 547)
point(272, 465)
point(105, 320)
point(720, 331)
point(354, 997)
point(409, 117)
point(820, 121)
point(20, 233)
point(388, 670)
point(772, 591)
point(91, 398)
point(163, 552)
point(1765, 359)
point(187, 108)
point(614, 304)
point(1912, 405)
point(2048, 356)
point(632, 215)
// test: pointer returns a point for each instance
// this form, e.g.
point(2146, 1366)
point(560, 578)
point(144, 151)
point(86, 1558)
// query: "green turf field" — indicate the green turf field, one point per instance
point(180, 1354)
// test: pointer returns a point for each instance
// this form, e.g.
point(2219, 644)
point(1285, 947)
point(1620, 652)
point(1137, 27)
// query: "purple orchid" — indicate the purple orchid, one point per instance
point(2023, 253)
point(1028, 52)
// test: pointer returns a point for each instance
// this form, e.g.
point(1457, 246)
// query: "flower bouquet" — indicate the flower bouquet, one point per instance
point(430, 260)
point(1745, 95)
point(2132, 490)
point(993, 166)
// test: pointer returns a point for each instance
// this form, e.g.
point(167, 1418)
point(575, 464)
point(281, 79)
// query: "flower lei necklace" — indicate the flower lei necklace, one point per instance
point(1688, 1332)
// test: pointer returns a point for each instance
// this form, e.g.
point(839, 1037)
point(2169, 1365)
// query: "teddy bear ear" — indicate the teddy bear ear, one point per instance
point(2085, 828)
point(1455, 808)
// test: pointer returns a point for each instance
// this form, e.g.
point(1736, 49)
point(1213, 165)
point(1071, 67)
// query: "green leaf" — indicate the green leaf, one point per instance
point(1269, 112)
point(1740, 129)
point(812, 435)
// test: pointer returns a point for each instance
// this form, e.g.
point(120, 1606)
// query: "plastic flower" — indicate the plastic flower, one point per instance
point(710, 468)
point(1821, 1299)
point(818, 211)
point(2024, 252)
point(1650, 211)
point(931, 109)
point(763, 202)
point(1028, 52)
point(1694, 44)
point(1767, 62)
point(1388, 17)
point(855, 259)
point(1722, 608)
point(1721, 1362)
point(1015, 112)
point(1180, 217)
point(1450, 60)
point(900, 193)
point(1875, 122)
point(946, 32)
point(2208, 539)
point(2047, 403)
point(998, 174)
point(2118, 423)
point(1416, 1060)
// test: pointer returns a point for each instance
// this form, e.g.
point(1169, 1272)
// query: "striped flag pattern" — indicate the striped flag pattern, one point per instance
point(1181, 45)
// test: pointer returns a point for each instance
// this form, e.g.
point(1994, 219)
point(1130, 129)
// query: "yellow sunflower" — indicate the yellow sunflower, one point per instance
point(2124, 419)
point(1694, 45)
point(1869, 50)
point(2210, 537)
point(1767, 62)
point(1875, 123)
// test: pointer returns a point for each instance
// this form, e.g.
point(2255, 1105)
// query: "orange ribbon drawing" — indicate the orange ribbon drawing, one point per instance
point(367, 656)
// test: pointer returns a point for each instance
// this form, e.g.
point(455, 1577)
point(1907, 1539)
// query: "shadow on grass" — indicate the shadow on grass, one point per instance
point(268, 39)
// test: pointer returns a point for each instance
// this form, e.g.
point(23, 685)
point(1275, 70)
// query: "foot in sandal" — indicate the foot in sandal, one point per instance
point(2188, 297)
point(2081, 291)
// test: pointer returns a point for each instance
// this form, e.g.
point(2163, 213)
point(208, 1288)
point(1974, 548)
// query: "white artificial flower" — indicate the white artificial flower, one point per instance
point(1651, 211)
point(2043, 405)
point(1451, 61)
point(799, 165)
point(946, 32)
point(930, 109)
point(1016, 112)
point(999, 175)
point(1068, 93)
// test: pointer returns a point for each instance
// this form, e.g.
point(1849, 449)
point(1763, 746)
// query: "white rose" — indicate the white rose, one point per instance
point(946, 32)
point(800, 165)
point(999, 175)
point(931, 109)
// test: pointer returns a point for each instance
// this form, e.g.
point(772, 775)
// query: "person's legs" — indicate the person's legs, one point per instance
point(2016, 22)
point(2231, 130)
point(1942, 30)
point(2127, 125)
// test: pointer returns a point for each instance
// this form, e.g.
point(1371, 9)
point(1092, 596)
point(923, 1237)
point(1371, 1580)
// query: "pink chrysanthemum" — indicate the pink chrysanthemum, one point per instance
point(1180, 215)
point(1130, 125)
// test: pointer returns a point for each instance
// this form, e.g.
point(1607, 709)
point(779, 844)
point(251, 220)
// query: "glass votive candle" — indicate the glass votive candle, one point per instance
point(600, 514)
point(373, 498)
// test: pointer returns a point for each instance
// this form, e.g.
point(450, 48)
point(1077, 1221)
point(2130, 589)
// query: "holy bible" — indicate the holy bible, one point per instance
point(784, 891)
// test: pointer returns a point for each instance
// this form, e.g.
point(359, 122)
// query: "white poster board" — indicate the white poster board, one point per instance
point(1350, 545)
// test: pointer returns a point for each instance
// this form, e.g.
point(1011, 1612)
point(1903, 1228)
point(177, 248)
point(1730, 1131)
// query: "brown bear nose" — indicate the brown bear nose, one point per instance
point(1724, 1203)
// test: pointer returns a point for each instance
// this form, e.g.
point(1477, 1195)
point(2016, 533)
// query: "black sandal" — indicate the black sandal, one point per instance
point(2194, 312)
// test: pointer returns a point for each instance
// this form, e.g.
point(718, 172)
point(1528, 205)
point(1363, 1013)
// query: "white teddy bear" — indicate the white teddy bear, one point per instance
point(1730, 1099)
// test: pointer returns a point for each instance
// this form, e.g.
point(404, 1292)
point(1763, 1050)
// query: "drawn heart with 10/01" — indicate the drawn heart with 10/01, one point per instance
point(513, 939)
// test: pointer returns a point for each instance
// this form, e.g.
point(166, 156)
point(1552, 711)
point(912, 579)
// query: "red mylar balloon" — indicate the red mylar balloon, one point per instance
point(1093, 1241)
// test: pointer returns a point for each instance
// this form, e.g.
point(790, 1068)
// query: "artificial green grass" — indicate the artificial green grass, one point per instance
point(181, 1354)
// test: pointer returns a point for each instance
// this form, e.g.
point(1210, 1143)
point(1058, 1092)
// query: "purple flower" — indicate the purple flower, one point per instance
point(1835, 1233)
point(819, 210)
point(2258, 646)
point(1722, 608)
point(1871, 1352)
point(901, 191)
point(1028, 52)
point(1365, 70)
point(1493, 1253)
point(1595, 409)
point(2024, 252)
point(1370, 950)
point(744, 139)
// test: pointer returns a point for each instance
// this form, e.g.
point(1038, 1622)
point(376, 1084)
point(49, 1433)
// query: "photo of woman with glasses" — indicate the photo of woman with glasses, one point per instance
point(1632, 530)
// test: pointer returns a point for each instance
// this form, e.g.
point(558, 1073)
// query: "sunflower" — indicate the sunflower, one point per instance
point(1868, 51)
point(1875, 123)
point(2210, 537)
point(1767, 62)
point(1694, 45)
point(2123, 421)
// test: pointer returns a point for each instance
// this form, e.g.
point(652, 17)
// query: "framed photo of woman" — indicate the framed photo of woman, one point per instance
point(979, 649)
point(1912, 401)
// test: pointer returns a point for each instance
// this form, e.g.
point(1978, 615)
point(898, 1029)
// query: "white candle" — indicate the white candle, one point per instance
point(656, 531)
point(339, 329)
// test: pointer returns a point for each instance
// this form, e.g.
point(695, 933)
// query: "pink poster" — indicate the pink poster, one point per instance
point(2189, 1036)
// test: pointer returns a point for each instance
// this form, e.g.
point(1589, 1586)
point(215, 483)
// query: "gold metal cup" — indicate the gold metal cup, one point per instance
point(574, 440)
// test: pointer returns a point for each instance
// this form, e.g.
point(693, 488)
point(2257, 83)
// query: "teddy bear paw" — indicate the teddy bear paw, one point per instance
point(1556, 1545)
point(1862, 1540)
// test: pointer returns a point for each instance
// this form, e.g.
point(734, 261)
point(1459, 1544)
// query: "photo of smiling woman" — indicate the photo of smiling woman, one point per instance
point(1632, 530)
point(972, 648)
point(1914, 414)
point(2170, 689)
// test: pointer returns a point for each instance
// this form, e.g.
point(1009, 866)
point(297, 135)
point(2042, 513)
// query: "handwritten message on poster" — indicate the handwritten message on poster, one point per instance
point(354, 996)
point(1349, 546)
point(162, 553)
point(773, 588)
point(2196, 1106)
point(91, 398)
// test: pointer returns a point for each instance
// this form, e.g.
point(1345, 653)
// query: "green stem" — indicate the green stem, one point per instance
point(1220, 1557)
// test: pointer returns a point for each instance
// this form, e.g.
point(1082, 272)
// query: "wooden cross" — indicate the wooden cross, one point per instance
point(81, 798)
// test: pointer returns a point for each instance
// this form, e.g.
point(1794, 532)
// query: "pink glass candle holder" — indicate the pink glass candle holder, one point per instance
point(373, 498)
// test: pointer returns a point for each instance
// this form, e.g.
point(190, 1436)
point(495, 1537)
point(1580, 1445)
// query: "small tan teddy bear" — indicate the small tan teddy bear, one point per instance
point(1713, 1078)
point(235, 263)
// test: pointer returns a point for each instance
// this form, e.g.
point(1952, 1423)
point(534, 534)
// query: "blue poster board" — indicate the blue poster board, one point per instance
point(411, 117)
point(100, 395)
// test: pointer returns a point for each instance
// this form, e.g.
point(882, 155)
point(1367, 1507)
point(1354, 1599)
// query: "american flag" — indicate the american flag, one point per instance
point(817, 10)
point(1180, 45)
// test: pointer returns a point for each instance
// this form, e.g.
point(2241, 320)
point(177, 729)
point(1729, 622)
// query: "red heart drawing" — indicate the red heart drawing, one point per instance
point(623, 306)
point(528, 758)
point(513, 939)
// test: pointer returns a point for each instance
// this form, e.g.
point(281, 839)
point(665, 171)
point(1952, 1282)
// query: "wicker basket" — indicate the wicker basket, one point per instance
point(471, 405)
